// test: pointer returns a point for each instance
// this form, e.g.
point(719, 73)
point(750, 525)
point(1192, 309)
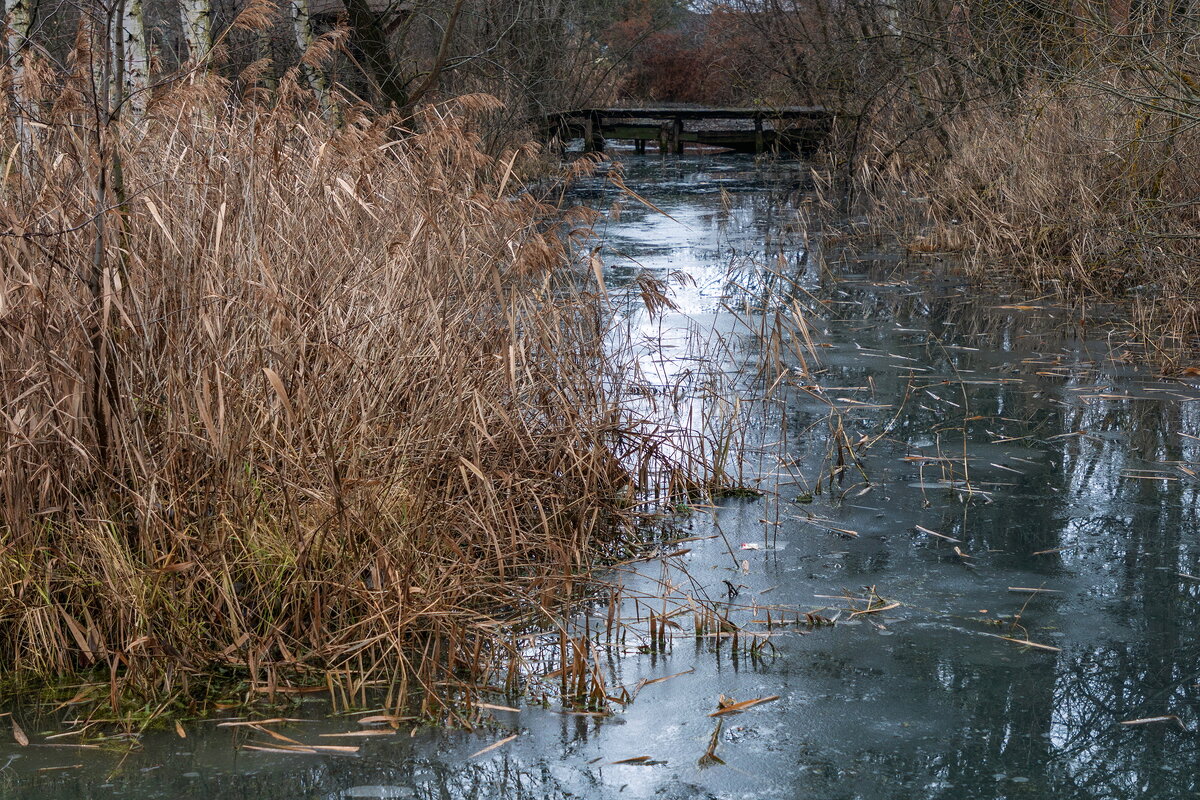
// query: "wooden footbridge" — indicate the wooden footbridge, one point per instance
point(749, 130)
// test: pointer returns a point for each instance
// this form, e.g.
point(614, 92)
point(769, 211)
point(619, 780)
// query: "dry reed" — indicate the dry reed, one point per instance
point(1082, 193)
point(291, 403)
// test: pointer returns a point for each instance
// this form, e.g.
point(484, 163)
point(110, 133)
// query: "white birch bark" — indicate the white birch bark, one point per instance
point(19, 22)
point(302, 25)
point(135, 67)
point(17, 16)
point(196, 16)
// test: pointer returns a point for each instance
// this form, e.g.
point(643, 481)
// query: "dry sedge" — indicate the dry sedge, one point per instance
point(938, 535)
point(887, 607)
point(1026, 642)
point(340, 750)
point(384, 719)
point(1083, 191)
point(652, 681)
point(261, 749)
point(274, 735)
point(494, 707)
point(1148, 720)
point(710, 757)
point(633, 760)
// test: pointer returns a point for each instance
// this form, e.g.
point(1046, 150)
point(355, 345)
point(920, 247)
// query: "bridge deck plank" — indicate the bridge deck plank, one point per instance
point(695, 112)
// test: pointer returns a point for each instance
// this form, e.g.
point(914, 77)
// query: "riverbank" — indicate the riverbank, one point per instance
point(1081, 195)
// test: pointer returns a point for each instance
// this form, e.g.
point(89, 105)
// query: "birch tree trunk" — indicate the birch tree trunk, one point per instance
point(302, 25)
point(16, 13)
point(196, 16)
point(134, 68)
point(19, 20)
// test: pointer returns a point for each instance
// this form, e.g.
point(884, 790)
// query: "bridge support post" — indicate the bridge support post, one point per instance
point(759, 144)
point(677, 136)
point(593, 134)
point(662, 139)
point(639, 147)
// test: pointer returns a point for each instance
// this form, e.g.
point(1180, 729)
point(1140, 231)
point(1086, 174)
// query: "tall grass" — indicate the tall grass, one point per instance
point(1076, 190)
point(1051, 142)
point(289, 401)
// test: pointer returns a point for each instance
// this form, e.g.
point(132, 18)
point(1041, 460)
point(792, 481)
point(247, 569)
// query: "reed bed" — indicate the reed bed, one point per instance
point(284, 403)
point(1084, 193)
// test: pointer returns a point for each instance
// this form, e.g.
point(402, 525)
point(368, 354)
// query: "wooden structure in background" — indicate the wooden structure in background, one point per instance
point(793, 128)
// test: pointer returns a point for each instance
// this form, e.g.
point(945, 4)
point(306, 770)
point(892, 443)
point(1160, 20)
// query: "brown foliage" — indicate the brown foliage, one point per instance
point(708, 59)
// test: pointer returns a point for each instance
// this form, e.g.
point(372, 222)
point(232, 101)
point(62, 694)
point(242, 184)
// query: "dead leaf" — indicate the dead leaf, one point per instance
point(277, 384)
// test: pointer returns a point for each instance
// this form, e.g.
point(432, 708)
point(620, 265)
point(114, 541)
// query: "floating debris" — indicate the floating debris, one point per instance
point(1026, 643)
point(710, 757)
point(493, 746)
point(638, 760)
point(726, 705)
point(1149, 720)
point(922, 529)
point(380, 792)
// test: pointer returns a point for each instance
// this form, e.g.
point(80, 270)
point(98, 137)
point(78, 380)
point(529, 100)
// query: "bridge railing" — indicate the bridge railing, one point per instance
point(802, 125)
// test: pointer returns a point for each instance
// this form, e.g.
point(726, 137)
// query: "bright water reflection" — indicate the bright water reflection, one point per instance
point(1082, 472)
